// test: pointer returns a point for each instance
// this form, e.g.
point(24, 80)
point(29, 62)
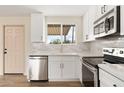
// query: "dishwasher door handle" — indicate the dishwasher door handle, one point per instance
point(38, 58)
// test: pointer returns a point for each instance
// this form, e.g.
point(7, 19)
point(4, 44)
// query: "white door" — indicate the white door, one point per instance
point(14, 46)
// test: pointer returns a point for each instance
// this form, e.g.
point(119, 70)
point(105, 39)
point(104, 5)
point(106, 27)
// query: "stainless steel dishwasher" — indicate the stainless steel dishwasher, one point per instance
point(38, 67)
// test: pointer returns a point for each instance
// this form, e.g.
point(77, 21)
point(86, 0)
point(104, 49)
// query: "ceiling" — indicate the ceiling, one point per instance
point(47, 10)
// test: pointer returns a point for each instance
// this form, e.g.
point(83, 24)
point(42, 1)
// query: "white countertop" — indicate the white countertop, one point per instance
point(115, 69)
point(52, 53)
point(84, 54)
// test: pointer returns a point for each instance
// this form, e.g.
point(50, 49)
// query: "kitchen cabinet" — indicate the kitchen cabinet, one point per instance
point(80, 69)
point(102, 9)
point(54, 70)
point(37, 27)
point(122, 20)
point(85, 27)
point(88, 20)
point(68, 70)
point(62, 68)
point(109, 80)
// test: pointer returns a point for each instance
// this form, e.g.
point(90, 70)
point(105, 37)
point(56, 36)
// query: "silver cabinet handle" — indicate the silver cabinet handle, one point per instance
point(102, 10)
point(41, 37)
point(60, 65)
point(105, 6)
point(86, 37)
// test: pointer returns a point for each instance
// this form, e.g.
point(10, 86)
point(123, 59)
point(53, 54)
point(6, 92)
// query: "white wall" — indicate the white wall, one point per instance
point(14, 21)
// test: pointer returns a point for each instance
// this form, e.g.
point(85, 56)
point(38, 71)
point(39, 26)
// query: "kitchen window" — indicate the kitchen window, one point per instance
point(61, 34)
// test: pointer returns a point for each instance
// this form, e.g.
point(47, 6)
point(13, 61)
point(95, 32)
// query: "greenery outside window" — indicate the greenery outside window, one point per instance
point(61, 34)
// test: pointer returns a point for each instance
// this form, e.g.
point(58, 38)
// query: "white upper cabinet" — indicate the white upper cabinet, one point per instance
point(98, 11)
point(102, 9)
point(85, 26)
point(88, 20)
point(122, 20)
point(91, 22)
point(37, 26)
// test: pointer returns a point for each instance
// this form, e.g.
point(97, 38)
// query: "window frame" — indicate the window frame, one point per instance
point(61, 34)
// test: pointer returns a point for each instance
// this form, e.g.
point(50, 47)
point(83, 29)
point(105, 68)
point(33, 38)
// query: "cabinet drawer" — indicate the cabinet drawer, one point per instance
point(109, 80)
point(63, 58)
point(69, 58)
point(55, 58)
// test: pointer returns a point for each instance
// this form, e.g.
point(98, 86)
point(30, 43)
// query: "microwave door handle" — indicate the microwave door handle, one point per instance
point(89, 67)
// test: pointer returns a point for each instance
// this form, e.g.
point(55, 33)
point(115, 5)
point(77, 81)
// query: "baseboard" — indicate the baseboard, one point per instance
point(64, 79)
point(13, 73)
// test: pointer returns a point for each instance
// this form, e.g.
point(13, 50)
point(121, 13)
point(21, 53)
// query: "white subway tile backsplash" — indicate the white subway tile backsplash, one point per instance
point(97, 46)
point(78, 48)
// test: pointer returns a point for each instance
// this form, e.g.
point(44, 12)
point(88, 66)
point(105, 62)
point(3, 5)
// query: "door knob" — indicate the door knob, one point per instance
point(5, 52)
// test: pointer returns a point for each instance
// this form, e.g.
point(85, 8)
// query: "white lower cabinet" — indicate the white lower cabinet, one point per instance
point(54, 71)
point(80, 69)
point(109, 80)
point(63, 68)
point(68, 70)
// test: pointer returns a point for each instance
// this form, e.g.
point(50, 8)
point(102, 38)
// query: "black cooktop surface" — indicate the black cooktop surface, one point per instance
point(94, 61)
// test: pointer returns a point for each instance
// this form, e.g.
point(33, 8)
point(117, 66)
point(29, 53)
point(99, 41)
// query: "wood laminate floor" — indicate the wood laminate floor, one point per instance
point(21, 81)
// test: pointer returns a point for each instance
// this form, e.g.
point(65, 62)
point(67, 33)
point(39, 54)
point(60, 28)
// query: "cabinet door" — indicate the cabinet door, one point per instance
point(99, 11)
point(68, 70)
point(91, 19)
point(54, 70)
point(80, 69)
point(109, 80)
point(122, 20)
point(36, 27)
point(88, 20)
point(102, 9)
point(85, 27)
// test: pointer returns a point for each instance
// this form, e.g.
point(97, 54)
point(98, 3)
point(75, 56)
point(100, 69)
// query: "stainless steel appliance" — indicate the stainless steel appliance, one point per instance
point(108, 24)
point(90, 71)
point(113, 55)
point(113, 65)
point(38, 67)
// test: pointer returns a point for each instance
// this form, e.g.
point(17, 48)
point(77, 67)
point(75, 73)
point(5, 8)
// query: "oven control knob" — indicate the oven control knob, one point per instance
point(113, 51)
point(121, 52)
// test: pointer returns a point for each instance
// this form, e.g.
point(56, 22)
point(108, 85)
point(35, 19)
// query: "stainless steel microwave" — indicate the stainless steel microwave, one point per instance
point(108, 24)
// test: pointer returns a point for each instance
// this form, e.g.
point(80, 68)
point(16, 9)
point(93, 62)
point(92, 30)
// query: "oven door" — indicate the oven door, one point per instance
point(89, 75)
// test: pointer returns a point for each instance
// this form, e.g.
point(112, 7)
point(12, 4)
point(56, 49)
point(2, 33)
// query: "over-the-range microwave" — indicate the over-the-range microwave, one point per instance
point(108, 24)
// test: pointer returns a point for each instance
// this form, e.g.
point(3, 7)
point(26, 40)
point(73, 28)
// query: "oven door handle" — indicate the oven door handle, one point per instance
point(89, 67)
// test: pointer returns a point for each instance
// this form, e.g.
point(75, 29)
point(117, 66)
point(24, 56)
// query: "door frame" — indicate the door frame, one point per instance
point(4, 45)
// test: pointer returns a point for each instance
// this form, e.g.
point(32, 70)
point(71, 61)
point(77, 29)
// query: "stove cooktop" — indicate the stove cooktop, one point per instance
point(94, 61)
